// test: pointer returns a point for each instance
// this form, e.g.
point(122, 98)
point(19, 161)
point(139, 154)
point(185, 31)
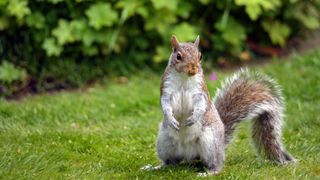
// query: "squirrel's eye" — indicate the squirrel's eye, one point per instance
point(179, 56)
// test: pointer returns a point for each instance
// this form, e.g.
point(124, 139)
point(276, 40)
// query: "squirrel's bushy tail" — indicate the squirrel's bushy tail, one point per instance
point(254, 96)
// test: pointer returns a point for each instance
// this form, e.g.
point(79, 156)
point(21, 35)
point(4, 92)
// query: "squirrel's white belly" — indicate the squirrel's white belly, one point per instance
point(181, 103)
point(182, 90)
point(187, 137)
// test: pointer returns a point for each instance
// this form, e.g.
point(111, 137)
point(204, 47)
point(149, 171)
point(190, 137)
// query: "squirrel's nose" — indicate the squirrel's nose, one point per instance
point(192, 69)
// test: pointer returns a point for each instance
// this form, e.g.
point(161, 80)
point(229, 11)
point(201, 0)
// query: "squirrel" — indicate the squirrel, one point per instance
point(196, 127)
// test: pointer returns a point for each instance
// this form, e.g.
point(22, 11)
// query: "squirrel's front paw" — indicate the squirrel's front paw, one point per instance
point(174, 124)
point(190, 121)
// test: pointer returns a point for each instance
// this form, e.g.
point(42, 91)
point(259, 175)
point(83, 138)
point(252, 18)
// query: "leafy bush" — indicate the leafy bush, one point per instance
point(9, 75)
point(116, 36)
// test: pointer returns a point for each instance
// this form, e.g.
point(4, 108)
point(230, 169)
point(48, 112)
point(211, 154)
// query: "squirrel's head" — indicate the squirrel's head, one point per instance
point(186, 57)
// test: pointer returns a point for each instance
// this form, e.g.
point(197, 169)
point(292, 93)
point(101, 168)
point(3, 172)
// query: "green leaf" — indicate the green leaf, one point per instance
point(185, 32)
point(78, 28)
point(36, 20)
point(9, 73)
point(255, 7)
point(310, 21)
point(51, 47)
point(129, 8)
point(184, 9)
point(101, 15)
point(143, 11)
point(18, 8)
point(160, 21)
point(253, 11)
point(278, 31)
point(167, 4)
point(162, 54)
point(231, 31)
point(307, 14)
point(63, 32)
point(88, 37)
point(82, 32)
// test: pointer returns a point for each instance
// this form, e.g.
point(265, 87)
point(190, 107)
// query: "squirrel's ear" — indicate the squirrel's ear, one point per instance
point(174, 42)
point(197, 41)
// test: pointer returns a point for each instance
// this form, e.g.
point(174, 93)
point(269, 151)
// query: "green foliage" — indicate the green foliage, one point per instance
point(168, 4)
point(9, 73)
point(185, 31)
point(306, 13)
point(9, 77)
point(232, 33)
point(100, 15)
point(160, 51)
point(51, 46)
point(277, 31)
point(130, 8)
point(63, 32)
point(254, 8)
point(129, 34)
point(18, 8)
point(36, 20)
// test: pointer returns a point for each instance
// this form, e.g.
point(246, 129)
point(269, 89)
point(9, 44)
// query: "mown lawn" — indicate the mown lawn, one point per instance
point(110, 131)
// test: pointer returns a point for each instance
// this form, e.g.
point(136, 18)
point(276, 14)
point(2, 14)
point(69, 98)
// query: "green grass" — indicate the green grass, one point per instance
point(110, 131)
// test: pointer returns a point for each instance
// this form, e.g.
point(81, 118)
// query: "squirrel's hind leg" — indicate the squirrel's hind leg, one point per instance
point(167, 150)
point(212, 149)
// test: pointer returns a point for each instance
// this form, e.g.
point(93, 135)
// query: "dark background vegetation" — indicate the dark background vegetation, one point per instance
point(56, 44)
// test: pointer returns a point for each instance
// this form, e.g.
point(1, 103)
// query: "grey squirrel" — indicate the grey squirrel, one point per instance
point(194, 127)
